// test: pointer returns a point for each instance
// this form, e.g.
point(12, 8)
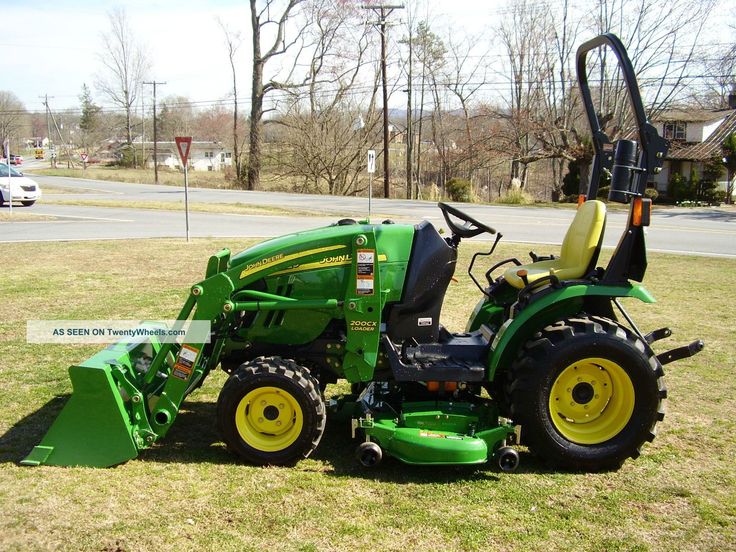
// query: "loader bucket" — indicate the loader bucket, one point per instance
point(94, 428)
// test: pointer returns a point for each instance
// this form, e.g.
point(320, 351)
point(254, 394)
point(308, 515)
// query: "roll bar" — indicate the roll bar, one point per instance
point(653, 147)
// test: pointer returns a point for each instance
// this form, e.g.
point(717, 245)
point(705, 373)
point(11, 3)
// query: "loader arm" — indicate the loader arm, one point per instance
point(116, 410)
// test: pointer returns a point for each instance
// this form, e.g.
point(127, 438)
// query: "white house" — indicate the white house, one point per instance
point(695, 136)
point(203, 156)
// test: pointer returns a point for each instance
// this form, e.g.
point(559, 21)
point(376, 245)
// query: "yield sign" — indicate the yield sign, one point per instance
point(84, 157)
point(183, 143)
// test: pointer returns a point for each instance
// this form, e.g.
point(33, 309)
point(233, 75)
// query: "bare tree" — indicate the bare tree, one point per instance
point(663, 42)
point(176, 117)
point(325, 130)
point(125, 66)
point(265, 15)
point(233, 40)
point(720, 71)
point(12, 116)
point(466, 75)
point(522, 36)
point(430, 55)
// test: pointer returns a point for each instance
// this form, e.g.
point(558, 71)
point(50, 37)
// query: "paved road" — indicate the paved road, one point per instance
point(700, 231)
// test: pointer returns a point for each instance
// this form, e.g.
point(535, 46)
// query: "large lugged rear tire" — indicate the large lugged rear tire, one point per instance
point(587, 393)
point(270, 412)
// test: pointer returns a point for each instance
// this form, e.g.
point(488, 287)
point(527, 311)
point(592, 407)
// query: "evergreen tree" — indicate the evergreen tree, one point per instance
point(729, 151)
point(89, 121)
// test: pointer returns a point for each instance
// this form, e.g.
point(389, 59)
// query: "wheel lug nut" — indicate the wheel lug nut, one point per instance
point(281, 405)
point(596, 396)
point(580, 379)
point(263, 403)
point(278, 423)
point(260, 420)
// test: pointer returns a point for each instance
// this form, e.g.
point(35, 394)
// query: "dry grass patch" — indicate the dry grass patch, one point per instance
point(229, 208)
point(189, 493)
point(22, 214)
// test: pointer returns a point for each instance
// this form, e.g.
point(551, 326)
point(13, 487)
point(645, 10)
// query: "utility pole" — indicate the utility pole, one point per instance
point(409, 116)
point(45, 99)
point(383, 11)
point(155, 133)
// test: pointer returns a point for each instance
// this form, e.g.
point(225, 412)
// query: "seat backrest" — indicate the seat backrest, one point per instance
point(582, 242)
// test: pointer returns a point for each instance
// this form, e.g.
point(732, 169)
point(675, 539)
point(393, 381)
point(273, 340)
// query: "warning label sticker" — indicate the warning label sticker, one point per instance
point(365, 272)
point(185, 362)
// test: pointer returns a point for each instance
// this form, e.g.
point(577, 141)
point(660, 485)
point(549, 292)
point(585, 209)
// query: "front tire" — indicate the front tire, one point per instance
point(587, 393)
point(270, 412)
point(28, 203)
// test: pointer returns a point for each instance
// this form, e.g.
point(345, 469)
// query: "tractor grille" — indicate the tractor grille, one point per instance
point(29, 188)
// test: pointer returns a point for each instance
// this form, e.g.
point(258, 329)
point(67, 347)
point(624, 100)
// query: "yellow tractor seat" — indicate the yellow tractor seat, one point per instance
point(579, 253)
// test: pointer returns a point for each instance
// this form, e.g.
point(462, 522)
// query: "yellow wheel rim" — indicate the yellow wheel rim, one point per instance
point(591, 401)
point(269, 419)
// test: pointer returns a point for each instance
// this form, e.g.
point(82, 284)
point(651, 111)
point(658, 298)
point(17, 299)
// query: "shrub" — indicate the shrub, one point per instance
point(515, 196)
point(678, 188)
point(126, 157)
point(651, 193)
point(459, 189)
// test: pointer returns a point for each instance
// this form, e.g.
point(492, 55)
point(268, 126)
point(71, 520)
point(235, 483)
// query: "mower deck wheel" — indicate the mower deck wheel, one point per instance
point(507, 459)
point(369, 454)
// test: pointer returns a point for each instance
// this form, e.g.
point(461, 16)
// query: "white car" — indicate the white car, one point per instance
point(22, 188)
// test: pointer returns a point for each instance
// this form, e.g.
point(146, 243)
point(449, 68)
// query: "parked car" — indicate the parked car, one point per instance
point(16, 159)
point(21, 187)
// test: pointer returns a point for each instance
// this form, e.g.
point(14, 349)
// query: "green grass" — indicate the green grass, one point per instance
point(189, 493)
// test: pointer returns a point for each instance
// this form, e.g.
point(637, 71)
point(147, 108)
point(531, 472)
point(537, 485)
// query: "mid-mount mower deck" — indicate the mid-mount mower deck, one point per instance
point(548, 349)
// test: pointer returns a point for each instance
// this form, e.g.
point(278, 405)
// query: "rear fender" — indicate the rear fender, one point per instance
point(553, 306)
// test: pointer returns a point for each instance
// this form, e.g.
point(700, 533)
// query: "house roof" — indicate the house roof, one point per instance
point(710, 147)
point(690, 116)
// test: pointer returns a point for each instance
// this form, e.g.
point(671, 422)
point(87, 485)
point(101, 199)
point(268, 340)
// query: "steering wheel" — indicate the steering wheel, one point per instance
point(470, 227)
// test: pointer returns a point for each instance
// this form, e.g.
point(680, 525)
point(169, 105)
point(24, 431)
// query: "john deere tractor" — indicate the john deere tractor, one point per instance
point(549, 359)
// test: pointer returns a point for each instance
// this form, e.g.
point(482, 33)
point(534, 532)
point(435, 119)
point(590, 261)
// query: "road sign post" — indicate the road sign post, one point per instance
point(371, 170)
point(183, 144)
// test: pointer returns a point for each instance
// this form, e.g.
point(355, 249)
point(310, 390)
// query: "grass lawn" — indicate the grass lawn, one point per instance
point(189, 493)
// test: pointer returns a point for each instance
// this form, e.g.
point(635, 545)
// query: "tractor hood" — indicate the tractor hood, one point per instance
point(323, 247)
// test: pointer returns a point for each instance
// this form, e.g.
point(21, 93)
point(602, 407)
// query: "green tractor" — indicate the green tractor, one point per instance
point(549, 359)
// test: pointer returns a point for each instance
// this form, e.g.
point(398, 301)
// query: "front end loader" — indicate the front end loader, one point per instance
point(549, 359)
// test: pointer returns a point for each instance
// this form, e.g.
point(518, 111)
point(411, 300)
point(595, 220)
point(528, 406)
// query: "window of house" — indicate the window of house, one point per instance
point(675, 131)
point(209, 154)
point(228, 155)
point(222, 158)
